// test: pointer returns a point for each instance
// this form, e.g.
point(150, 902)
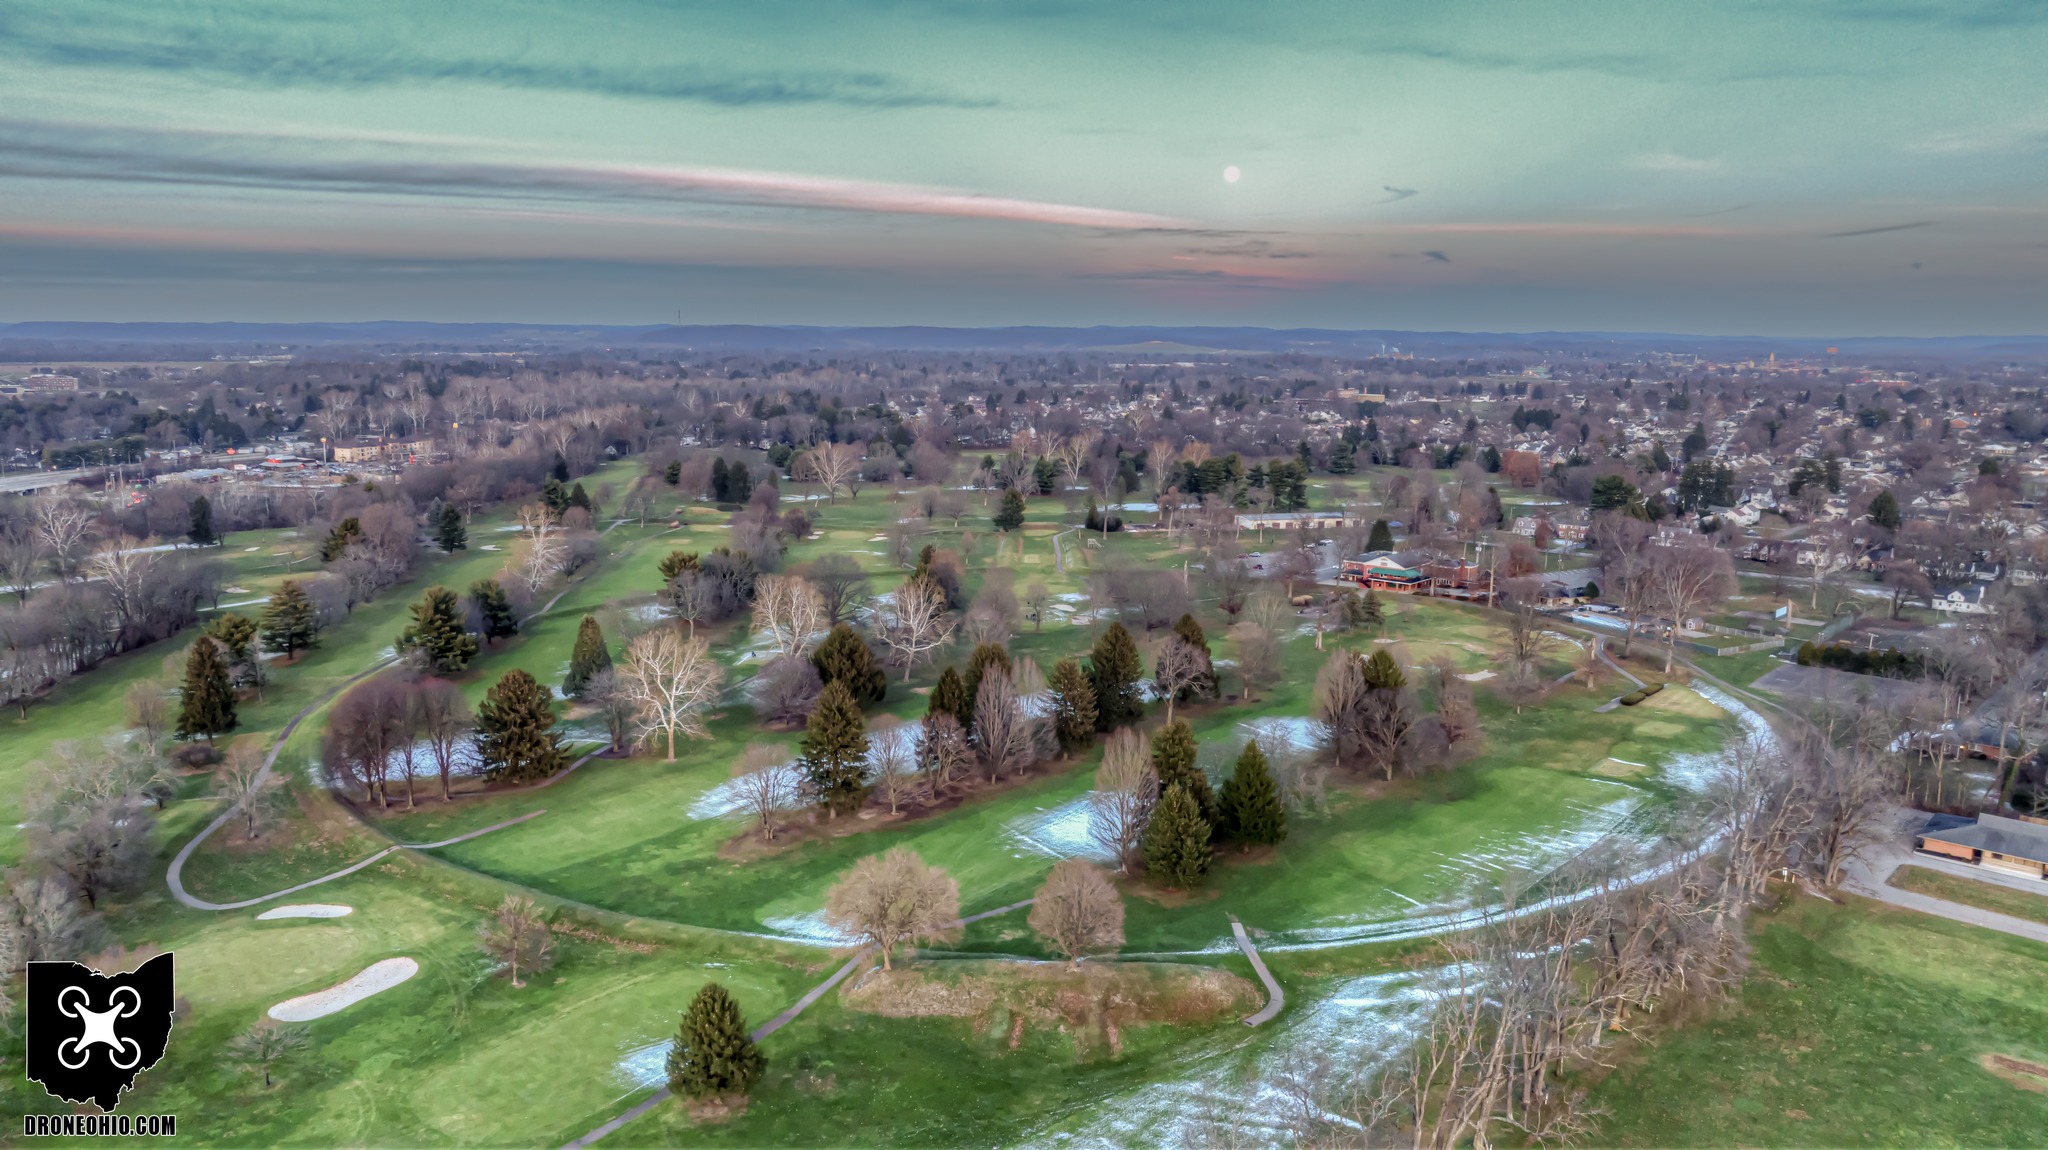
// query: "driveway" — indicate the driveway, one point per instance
point(1865, 876)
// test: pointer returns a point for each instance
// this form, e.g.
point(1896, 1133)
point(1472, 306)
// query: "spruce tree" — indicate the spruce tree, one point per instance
point(235, 633)
point(676, 562)
point(1173, 760)
point(1176, 841)
point(739, 482)
point(587, 658)
point(835, 751)
point(1114, 669)
point(1371, 612)
point(845, 657)
point(339, 537)
point(1382, 538)
point(580, 498)
point(1252, 813)
point(984, 656)
point(449, 534)
point(673, 473)
point(721, 482)
point(1073, 706)
point(950, 697)
point(1382, 673)
point(494, 607)
point(1884, 510)
point(1191, 631)
point(516, 730)
point(201, 533)
point(206, 707)
point(290, 624)
point(1010, 516)
point(554, 494)
point(712, 1054)
point(436, 633)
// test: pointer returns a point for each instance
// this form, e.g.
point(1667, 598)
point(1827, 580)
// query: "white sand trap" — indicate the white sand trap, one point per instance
point(309, 910)
point(375, 978)
point(1477, 676)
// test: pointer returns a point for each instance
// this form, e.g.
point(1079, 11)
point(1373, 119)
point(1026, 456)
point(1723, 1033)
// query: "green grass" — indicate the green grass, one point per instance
point(1982, 895)
point(1858, 1025)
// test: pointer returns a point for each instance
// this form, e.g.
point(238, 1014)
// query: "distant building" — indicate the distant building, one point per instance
point(1957, 603)
point(405, 451)
point(1289, 520)
point(48, 382)
point(2015, 846)
point(1383, 571)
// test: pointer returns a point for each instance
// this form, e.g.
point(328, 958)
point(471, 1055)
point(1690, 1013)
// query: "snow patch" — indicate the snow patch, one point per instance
point(308, 910)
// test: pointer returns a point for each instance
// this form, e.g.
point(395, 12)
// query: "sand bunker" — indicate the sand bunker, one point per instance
point(375, 978)
point(308, 910)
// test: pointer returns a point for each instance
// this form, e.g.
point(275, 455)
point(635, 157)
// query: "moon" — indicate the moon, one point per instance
point(1230, 174)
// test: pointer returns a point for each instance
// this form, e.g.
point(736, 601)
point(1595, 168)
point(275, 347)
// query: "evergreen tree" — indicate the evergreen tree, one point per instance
point(235, 633)
point(587, 658)
point(676, 562)
point(1382, 538)
point(1045, 475)
point(1173, 760)
point(1371, 612)
point(845, 657)
point(1073, 706)
point(1884, 510)
point(1382, 673)
point(201, 533)
point(1176, 841)
point(739, 482)
point(1191, 631)
point(984, 656)
point(673, 473)
point(449, 533)
point(1114, 669)
point(437, 634)
point(1344, 458)
point(339, 537)
point(561, 471)
point(1010, 516)
point(835, 751)
point(500, 621)
point(712, 1055)
point(206, 707)
point(950, 697)
point(290, 624)
point(580, 498)
point(1252, 813)
point(554, 495)
point(721, 482)
point(516, 730)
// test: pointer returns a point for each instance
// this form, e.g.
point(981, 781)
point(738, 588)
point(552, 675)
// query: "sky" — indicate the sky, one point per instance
point(1781, 167)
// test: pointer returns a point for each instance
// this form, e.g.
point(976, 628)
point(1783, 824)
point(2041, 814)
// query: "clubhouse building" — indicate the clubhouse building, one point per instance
point(2014, 846)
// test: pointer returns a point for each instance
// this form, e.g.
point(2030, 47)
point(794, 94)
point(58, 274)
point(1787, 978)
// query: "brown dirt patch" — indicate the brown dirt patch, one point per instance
point(2026, 1075)
point(1096, 1003)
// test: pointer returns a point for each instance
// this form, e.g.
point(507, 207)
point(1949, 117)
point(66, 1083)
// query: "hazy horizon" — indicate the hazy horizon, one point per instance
point(1719, 170)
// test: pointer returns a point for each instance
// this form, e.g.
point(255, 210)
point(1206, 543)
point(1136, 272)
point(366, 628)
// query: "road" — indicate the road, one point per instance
point(26, 481)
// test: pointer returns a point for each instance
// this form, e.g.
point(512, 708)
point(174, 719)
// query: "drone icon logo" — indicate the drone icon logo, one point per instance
point(90, 1034)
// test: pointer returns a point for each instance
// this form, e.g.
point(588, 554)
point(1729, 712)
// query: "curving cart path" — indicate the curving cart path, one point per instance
point(1276, 999)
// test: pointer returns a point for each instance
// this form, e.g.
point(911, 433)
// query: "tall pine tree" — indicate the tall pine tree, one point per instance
point(1382, 673)
point(1073, 706)
point(206, 707)
point(201, 533)
point(950, 697)
point(1176, 841)
point(516, 730)
point(1010, 516)
point(1252, 813)
point(1173, 760)
point(289, 623)
point(587, 658)
point(845, 657)
point(1114, 669)
point(436, 635)
point(449, 533)
point(343, 533)
point(712, 1055)
point(494, 608)
point(1382, 538)
point(835, 751)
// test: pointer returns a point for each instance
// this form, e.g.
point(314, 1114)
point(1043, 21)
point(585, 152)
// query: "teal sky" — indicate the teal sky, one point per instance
point(1777, 168)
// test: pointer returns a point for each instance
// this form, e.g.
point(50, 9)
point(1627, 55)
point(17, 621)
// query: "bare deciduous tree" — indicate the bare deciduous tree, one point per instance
point(942, 752)
point(1686, 578)
point(517, 936)
point(1078, 911)
point(788, 610)
point(888, 899)
point(1005, 738)
point(832, 464)
point(767, 785)
point(1126, 788)
point(674, 681)
point(915, 622)
point(248, 788)
point(1178, 666)
point(892, 752)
